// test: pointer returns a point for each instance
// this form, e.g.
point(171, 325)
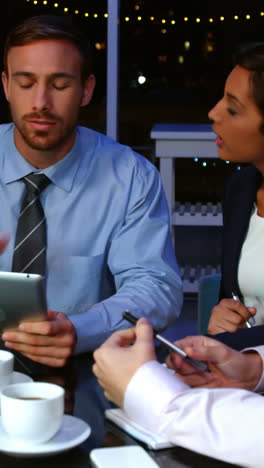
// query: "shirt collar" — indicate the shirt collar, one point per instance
point(62, 174)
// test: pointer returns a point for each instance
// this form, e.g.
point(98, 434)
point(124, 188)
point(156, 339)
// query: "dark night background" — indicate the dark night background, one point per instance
point(173, 91)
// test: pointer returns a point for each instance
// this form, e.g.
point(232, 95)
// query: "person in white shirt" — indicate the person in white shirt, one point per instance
point(224, 423)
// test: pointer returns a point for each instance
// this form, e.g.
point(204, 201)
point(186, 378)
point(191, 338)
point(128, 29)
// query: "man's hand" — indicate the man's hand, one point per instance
point(117, 360)
point(228, 316)
point(48, 342)
point(229, 368)
point(4, 239)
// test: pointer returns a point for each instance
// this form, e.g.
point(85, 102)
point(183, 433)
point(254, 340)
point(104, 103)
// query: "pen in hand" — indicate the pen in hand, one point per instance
point(251, 321)
point(171, 346)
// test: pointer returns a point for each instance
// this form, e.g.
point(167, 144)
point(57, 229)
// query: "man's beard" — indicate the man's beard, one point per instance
point(41, 140)
point(44, 140)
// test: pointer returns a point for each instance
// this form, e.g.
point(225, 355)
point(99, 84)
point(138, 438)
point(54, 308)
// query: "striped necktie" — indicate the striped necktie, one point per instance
point(30, 244)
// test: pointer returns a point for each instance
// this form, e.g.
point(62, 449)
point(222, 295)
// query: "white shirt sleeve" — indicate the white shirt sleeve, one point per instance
point(260, 350)
point(221, 423)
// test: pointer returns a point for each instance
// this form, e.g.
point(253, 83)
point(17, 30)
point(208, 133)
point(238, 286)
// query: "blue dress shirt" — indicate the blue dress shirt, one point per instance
point(108, 241)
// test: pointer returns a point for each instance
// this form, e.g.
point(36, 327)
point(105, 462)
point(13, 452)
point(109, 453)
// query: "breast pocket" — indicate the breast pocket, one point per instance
point(74, 283)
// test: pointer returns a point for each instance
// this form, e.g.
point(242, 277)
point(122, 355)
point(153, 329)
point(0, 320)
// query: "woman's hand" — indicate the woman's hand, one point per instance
point(228, 316)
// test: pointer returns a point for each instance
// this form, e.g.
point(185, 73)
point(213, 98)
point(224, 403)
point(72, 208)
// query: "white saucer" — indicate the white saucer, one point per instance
point(17, 377)
point(73, 432)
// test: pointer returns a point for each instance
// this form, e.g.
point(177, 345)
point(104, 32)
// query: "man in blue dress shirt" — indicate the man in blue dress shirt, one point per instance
point(108, 240)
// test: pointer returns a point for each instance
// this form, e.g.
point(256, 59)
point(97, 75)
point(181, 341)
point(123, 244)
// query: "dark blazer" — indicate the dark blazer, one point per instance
point(238, 200)
point(242, 338)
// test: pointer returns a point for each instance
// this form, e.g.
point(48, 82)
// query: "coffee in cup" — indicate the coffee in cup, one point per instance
point(32, 412)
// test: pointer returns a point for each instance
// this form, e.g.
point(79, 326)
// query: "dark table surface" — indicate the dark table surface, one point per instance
point(85, 399)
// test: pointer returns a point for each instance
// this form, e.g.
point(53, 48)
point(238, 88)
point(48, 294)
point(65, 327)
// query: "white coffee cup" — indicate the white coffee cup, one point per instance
point(6, 367)
point(32, 412)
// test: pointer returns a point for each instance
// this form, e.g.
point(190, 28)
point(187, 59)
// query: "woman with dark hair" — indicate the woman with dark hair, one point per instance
point(238, 121)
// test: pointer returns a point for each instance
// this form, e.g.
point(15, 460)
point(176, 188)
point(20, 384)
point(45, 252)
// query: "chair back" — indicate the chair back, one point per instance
point(208, 294)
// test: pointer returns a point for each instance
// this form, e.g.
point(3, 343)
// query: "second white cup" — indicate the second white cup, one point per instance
point(6, 367)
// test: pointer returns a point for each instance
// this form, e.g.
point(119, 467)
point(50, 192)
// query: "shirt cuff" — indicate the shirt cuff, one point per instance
point(89, 330)
point(149, 393)
point(260, 385)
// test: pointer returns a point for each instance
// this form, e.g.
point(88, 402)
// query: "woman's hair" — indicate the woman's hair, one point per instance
point(251, 57)
point(46, 27)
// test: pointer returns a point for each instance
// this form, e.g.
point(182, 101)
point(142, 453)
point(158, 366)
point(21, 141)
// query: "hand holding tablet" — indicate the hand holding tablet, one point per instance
point(22, 297)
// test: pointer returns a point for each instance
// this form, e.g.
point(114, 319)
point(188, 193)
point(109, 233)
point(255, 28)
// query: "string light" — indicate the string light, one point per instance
point(214, 164)
point(151, 18)
point(100, 45)
point(141, 79)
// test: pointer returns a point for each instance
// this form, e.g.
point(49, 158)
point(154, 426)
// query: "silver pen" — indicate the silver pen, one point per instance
point(171, 346)
point(251, 321)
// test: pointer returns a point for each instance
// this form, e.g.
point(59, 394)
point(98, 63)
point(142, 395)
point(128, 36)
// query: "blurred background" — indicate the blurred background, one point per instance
point(174, 58)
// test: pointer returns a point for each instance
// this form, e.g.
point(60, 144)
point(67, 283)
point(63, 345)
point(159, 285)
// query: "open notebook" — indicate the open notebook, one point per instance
point(152, 440)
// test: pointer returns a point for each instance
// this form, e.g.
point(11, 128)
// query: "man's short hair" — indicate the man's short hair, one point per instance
point(46, 27)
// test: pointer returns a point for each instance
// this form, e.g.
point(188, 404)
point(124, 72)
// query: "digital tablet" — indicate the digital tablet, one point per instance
point(22, 297)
